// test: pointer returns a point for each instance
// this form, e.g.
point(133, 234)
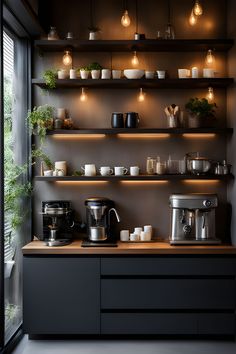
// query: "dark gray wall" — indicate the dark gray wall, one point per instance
point(231, 99)
point(143, 203)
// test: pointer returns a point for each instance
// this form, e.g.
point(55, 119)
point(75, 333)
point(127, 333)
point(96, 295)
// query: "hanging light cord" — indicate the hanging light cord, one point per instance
point(91, 14)
point(169, 14)
point(136, 7)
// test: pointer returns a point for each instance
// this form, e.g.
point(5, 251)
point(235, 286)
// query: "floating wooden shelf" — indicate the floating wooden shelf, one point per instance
point(134, 178)
point(147, 45)
point(112, 131)
point(144, 83)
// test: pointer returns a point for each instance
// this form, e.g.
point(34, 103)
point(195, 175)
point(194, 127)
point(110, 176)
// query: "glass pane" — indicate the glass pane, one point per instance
point(13, 301)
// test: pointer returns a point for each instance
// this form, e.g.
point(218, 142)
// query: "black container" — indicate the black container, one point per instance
point(132, 120)
point(117, 120)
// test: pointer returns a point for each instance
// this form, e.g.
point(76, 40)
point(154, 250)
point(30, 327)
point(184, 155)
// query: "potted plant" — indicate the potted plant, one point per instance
point(41, 120)
point(50, 78)
point(84, 72)
point(95, 69)
point(200, 112)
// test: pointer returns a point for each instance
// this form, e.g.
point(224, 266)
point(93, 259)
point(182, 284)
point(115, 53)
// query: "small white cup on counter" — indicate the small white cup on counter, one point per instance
point(134, 170)
point(105, 171)
point(48, 173)
point(124, 235)
point(120, 171)
point(106, 74)
point(134, 237)
point(89, 170)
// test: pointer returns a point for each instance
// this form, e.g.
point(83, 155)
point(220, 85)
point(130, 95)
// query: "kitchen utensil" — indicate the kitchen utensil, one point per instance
point(117, 120)
point(172, 113)
point(133, 73)
point(132, 120)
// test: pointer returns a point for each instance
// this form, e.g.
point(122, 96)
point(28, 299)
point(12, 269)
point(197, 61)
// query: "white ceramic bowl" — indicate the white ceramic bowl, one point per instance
point(133, 73)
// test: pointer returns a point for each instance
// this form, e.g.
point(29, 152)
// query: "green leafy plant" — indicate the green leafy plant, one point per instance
point(95, 66)
point(84, 68)
point(77, 173)
point(50, 78)
point(41, 120)
point(201, 107)
point(38, 153)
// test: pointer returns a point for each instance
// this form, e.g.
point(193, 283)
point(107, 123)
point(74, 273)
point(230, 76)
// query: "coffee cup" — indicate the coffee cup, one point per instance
point(117, 120)
point(161, 74)
point(183, 73)
point(116, 74)
point(209, 73)
point(106, 74)
point(134, 170)
point(124, 235)
point(89, 170)
point(105, 171)
point(120, 171)
point(132, 120)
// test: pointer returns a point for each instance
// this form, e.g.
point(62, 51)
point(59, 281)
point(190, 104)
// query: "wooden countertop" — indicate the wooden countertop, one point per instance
point(38, 248)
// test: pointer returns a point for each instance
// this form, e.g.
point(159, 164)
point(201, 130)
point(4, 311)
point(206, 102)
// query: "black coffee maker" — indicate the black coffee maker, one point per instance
point(58, 222)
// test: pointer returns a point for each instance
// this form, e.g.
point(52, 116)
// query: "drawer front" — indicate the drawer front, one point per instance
point(168, 266)
point(168, 294)
point(168, 323)
point(148, 323)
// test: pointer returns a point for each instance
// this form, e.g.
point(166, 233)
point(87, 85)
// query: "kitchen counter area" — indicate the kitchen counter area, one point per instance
point(152, 248)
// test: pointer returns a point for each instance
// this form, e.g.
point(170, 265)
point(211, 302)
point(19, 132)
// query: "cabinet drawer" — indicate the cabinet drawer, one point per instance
point(168, 294)
point(168, 266)
point(148, 323)
point(168, 323)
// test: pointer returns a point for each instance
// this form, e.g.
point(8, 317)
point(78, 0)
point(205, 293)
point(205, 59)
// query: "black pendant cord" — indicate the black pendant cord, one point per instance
point(169, 12)
point(91, 14)
point(136, 8)
point(111, 58)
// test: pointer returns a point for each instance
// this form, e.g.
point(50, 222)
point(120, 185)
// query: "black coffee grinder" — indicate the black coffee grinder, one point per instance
point(99, 226)
point(58, 222)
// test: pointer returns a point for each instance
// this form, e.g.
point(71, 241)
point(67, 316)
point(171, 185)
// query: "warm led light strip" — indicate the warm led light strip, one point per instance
point(144, 182)
point(144, 136)
point(78, 136)
point(81, 182)
point(199, 136)
point(202, 181)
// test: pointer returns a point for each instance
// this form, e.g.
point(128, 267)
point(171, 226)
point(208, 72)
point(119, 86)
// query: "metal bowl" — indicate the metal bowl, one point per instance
point(199, 165)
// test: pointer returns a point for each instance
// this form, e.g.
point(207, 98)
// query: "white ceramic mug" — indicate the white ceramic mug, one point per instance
point(120, 171)
point(61, 166)
point(105, 171)
point(73, 74)
point(161, 74)
point(48, 173)
point(183, 73)
point(89, 170)
point(116, 74)
point(106, 73)
point(149, 74)
point(209, 73)
point(134, 171)
point(124, 235)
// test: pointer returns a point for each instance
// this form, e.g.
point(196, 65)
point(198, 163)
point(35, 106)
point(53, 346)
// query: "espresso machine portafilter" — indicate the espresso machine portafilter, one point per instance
point(193, 219)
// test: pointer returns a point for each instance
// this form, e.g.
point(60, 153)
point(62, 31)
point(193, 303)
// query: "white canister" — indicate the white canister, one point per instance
point(134, 171)
point(106, 73)
point(134, 237)
point(48, 173)
point(124, 235)
point(61, 166)
point(195, 73)
point(61, 113)
point(62, 74)
point(209, 73)
point(138, 230)
point(73, 74)
point(145, 236)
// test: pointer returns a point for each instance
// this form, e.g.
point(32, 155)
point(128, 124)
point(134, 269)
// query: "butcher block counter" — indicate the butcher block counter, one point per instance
point(38, 247)
point(133, 289)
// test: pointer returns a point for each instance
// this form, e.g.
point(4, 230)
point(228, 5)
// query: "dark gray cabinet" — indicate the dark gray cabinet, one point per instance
point(128, 295)
point(61, 295)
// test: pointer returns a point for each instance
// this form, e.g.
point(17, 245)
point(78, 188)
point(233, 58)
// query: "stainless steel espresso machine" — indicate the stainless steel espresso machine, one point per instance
point(193, 219)
point(99, 225)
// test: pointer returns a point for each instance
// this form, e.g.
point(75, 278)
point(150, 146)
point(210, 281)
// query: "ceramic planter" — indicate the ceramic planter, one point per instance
point(95, 74)
point(84, 74)
point(62, 74)
point(194, 121)
point(106, 73)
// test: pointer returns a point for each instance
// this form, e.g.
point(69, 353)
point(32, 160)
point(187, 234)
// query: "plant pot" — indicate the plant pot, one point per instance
point(95, 74)
point(84, 74)
point(106, 73)
point(62, 74)
point(48, 124)
point(194, 121)
point(8, 266)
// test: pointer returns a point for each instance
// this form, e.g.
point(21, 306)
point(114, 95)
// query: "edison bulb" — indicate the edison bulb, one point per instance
point(197, 9)
point(141, 96)
point(210, 59)
point(125, 19)
point(192, 19)
point(67, 58)
point(135, 61)
point(83, 96)
point(210, 95)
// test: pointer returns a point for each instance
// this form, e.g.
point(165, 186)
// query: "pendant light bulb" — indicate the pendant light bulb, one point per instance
point(125, 19)
point(192, 19)
point(83, 96)
point(67, 58)
point(135, 61)
point(197, 9)
point(141, 96)
point(210, 95)
point(210, 59)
